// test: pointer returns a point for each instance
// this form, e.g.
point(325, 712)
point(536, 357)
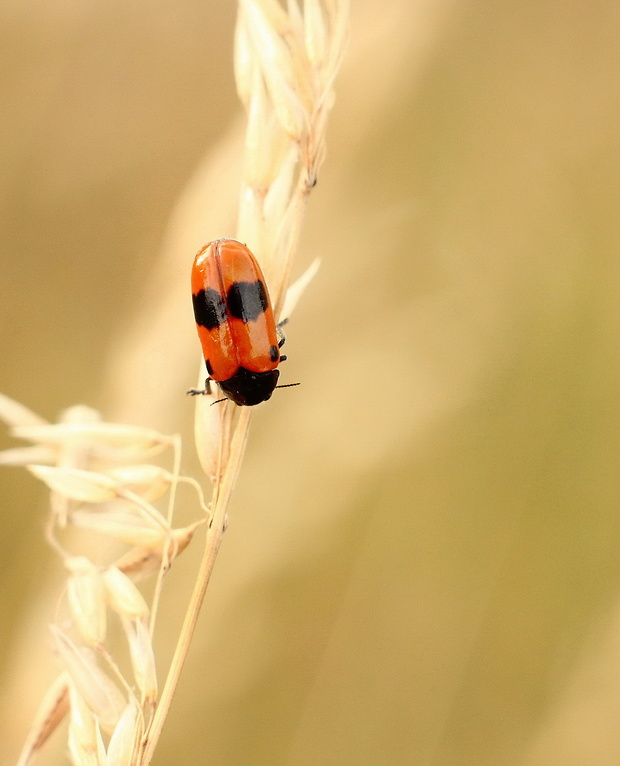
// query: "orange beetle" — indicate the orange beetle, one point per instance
point(235, 322)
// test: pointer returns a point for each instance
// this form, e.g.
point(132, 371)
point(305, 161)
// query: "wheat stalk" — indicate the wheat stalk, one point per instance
point(286, 60)
point(285, 65)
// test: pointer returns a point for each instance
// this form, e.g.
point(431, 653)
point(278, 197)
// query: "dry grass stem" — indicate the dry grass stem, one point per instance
point(285, 82)
point(99, 481)
point(100, 475)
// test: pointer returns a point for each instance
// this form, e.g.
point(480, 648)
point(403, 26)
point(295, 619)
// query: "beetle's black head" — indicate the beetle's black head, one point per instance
point(249, 388)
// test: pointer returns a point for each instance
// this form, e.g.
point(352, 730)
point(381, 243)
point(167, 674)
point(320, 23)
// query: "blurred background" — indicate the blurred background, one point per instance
point(423, 562)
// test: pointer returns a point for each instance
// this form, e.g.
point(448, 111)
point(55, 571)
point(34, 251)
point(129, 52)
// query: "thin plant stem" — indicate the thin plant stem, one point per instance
point(165, 564)
point(215, 535)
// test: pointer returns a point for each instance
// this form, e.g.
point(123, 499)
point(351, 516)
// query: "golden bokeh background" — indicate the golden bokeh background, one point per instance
point(423, 562)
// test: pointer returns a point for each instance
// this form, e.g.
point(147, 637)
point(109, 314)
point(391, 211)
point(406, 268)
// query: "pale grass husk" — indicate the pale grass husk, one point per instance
point(286, 59)
point(93, 487)
point(285, 82)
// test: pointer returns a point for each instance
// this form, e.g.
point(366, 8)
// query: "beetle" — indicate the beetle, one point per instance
point(235, 323)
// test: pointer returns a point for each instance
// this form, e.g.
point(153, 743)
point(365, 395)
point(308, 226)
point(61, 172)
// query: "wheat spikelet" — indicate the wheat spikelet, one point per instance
point(99, 475)
point(285, 65)
point(99, 481)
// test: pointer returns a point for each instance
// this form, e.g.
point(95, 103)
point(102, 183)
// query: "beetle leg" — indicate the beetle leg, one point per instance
point(206, 391)
point(281, 335)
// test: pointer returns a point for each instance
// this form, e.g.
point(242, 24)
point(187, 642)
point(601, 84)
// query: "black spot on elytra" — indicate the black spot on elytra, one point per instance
point(209, 308)
point(274, 353)
point(247, 300)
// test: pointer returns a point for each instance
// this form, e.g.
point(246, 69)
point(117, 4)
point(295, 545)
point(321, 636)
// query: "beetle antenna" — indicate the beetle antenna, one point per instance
point(288, 385)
